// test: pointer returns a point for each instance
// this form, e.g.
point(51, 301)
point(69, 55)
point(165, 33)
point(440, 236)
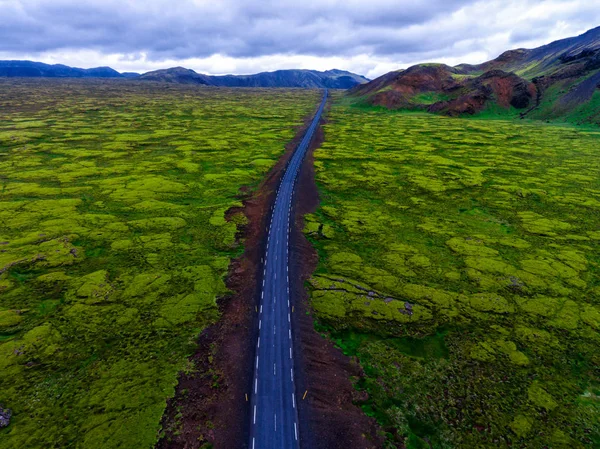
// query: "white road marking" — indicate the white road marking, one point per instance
point(262, 294)
point(279, 222)
point(259, 324)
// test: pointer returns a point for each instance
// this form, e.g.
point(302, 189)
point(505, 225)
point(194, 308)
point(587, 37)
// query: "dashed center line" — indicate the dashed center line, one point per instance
point(273, 284)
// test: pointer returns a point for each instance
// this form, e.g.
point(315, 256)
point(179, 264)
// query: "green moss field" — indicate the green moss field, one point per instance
point(460, 264)
point(114, 245)
point(459, 260)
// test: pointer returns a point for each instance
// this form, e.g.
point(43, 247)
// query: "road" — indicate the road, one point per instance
point(274, 416)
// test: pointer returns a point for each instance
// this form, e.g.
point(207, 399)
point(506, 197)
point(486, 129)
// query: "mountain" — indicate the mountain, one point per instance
point(560, 80)
point(39, 70)
point(334, 79)
point(177, 75)
point(546, 59)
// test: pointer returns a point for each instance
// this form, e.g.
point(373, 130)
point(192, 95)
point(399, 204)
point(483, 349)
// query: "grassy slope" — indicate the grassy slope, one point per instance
point(459, 261)
point(114, 245)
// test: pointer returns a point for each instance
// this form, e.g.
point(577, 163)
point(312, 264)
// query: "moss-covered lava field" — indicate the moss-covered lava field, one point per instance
point(460, 263)
point(459, 260)
point(114, 244)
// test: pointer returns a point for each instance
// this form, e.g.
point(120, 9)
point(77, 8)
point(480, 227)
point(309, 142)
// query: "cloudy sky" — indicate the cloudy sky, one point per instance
point(369, 37)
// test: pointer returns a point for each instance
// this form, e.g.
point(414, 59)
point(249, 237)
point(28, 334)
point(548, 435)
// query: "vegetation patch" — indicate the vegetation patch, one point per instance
point(459, 263)
point(114, 245)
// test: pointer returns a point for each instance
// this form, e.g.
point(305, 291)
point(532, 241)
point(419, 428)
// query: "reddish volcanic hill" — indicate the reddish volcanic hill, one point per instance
point(558, 80)
point(440, 88)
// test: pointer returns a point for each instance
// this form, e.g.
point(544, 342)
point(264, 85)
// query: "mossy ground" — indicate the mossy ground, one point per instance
point(114, 246)
point(460, 261)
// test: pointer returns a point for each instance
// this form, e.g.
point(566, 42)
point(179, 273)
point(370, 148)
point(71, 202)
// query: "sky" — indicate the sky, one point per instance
point(369, 37)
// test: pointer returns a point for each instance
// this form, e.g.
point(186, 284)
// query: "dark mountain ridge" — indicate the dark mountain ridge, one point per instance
point(179, 75)
point(333, 79)
point(41, 70)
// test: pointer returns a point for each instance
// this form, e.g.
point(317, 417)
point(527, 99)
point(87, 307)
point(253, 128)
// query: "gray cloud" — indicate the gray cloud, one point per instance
point(402, 30)
point(180, 29)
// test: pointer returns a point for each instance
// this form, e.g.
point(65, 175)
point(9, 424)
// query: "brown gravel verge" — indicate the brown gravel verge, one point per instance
point(209, 406)
point(328, 417)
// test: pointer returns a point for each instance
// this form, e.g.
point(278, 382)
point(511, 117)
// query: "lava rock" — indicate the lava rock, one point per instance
point(5, 415)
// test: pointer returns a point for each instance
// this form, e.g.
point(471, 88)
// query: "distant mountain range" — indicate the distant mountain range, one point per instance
point(41, 70)
point(558, 80)
point(333, 79)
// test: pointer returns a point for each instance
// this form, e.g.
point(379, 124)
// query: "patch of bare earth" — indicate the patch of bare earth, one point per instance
point(209, 406)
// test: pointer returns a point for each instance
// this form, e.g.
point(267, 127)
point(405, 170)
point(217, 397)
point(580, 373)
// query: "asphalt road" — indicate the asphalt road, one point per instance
point(274, 416)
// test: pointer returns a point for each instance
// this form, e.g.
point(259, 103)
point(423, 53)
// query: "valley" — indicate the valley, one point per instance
point(302, 258)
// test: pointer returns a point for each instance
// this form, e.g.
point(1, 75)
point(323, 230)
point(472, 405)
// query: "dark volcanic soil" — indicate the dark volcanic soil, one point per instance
point(210, 404)
point(328, 417)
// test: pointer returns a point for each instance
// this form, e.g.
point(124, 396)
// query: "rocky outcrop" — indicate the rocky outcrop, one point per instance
point(439, 88)
point(5, 415)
